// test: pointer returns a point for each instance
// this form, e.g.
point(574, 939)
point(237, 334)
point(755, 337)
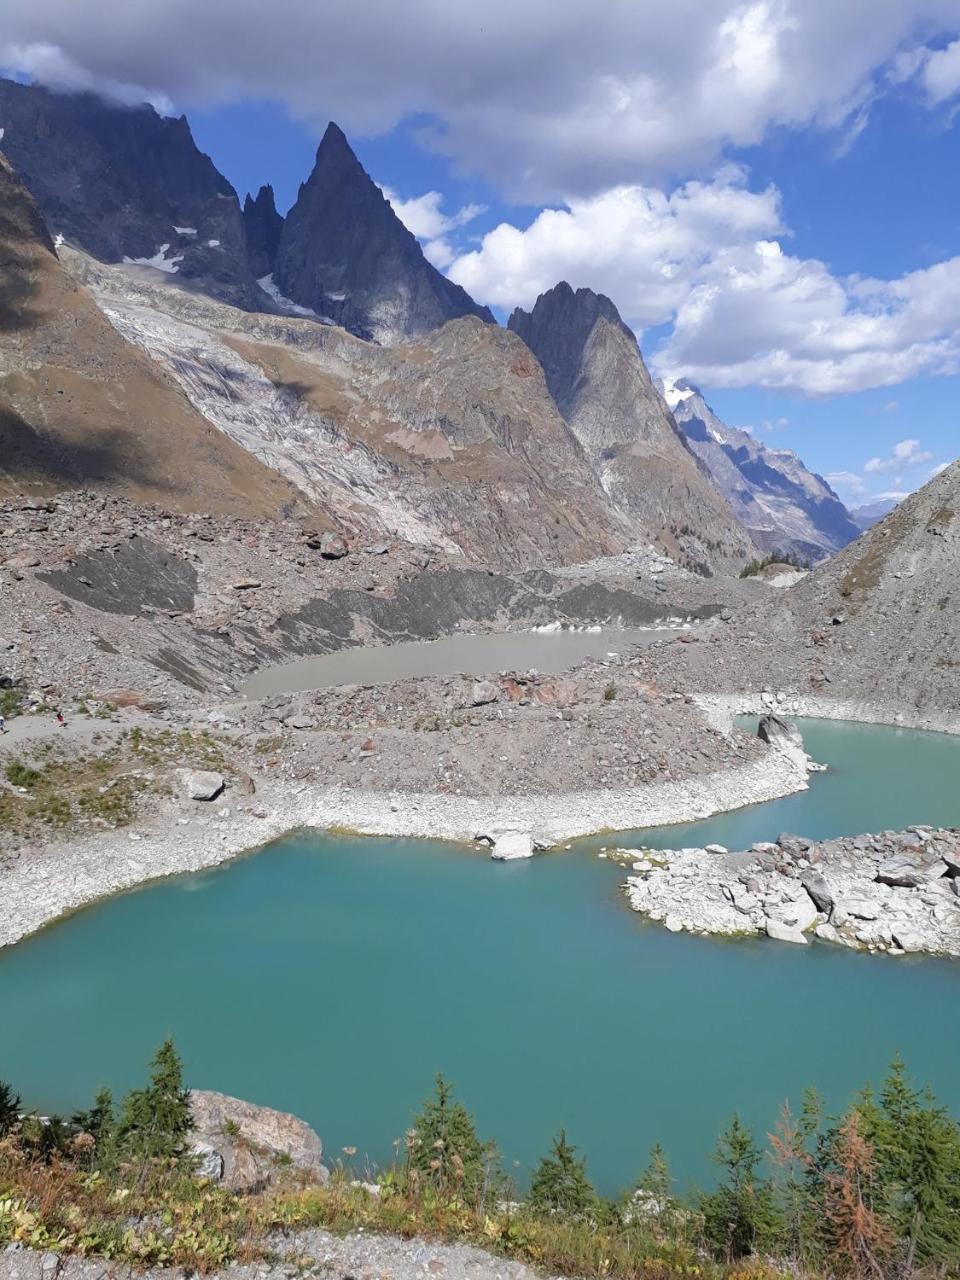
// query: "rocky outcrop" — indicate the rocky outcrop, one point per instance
point(786, 508)
point(345, 255)
point(263, 226)
point(894, 892)
point(128, 185)
point(81, 406)
point(246, 1147)
point(601, 386)
point(452, 440)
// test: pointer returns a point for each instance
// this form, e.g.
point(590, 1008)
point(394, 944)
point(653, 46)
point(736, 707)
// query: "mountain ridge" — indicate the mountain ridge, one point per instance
point(786, 507)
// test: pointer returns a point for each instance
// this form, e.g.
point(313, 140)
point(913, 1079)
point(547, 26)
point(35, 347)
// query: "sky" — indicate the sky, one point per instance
point(769, 191)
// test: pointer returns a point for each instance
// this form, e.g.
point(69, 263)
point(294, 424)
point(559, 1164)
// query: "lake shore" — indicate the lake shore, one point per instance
point(62, 877)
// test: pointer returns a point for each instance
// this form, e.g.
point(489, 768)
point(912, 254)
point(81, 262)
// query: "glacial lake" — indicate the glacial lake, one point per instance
point(465, 654)
point(332, 977)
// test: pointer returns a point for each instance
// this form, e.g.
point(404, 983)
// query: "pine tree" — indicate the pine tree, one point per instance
point(560, 1184)
point(446, 1151)
point(796, 1174)
point(9, 1109)
point(917, 1153)
point(859, 1239)
point(740, 1216)
point(155, 1121)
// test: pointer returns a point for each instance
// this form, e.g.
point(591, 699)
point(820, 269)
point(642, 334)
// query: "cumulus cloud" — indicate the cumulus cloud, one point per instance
point(423, 216)
point(50, 65)
point(941, 73)
point(638, 244)
point(906, 455)
point(543, 98)
point(709, 260)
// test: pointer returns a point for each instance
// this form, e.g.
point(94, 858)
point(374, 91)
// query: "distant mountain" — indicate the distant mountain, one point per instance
point(601, 386)
point(866, 516)
point(126, 184)
point(785, 506)
point(263, 225)
point(80, 406)
point(345, 255)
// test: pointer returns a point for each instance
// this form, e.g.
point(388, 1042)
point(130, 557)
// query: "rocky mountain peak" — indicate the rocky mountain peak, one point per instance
point(263, 226)
point(128, 185)
point(600, 383)
point(345, 254)
point(558, 329)
point(786, 507)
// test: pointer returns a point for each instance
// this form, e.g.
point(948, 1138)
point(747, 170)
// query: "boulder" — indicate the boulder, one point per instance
point(798, 913)
point(200, 784)
point(818, 889)
point(781, 932)
point(903, 871)
point(779, 733)
point(856, 906)
point(333, 546)
point(254, 1145)
point(483, 692)
point(511, 845)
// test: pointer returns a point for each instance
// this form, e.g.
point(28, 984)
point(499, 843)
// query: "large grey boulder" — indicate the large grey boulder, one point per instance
point(483, 693)
point(818, 889)
point(785, 933)
point(512, 845)
point(779, 733)
point(907, 871)
point(200, 784)
point(255, 1145)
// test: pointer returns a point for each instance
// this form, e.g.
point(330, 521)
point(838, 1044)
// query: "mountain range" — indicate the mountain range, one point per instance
point(325, 348)
point(785, 507)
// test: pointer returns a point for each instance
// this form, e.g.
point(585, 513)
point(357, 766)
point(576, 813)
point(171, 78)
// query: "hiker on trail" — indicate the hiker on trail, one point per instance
point(3, 724)
point(60, 720)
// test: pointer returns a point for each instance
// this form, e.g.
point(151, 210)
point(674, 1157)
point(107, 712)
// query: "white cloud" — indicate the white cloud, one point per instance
point(941, 73)
point(906, 455)
point(50, 65)
point(544, 98)
point(639, 245)
point(423, 216)
point(708, 260)
point(847, 483)
point(892, 406)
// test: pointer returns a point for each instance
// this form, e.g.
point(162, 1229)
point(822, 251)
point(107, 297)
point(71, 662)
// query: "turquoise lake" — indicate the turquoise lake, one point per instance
point(333, 977)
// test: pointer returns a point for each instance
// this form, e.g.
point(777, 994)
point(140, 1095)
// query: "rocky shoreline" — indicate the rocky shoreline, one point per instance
point(60, 878)
point(897, 892)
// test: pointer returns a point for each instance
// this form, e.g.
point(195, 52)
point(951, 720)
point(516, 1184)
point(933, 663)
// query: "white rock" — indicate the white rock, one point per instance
point(785, 933)
point(511, 845)
point(716, 848)
point(673, 923)
point(200, 784)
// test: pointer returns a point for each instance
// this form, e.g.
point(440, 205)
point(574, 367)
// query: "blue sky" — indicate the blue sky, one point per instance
point(768, 189)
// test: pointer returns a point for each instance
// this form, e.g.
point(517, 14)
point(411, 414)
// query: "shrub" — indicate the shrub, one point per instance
point(9, 1109)
point(560, 1184)
point(21, 775)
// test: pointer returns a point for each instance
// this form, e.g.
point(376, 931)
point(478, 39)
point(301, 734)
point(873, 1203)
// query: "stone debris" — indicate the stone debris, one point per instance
point(247, 1148)
point(895, 891)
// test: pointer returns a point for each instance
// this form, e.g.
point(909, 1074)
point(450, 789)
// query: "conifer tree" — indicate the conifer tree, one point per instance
point(917, 1153)
point(9, 1109)
point(560, 1184)
point(740, 1216)
point(155, 1121)
point(446, 1151)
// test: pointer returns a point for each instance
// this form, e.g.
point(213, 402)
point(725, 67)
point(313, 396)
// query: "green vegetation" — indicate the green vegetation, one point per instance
point(20, 775)
point(871, 1195)
point(775, 557)
point(70, 790)
point(610, 692)
point(10, 702)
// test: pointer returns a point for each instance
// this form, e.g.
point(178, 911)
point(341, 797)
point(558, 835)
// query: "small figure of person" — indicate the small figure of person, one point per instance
point(60, 720)
point(3, 724)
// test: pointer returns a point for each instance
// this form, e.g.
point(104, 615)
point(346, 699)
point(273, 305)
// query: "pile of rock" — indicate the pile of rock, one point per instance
point(896, 891)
